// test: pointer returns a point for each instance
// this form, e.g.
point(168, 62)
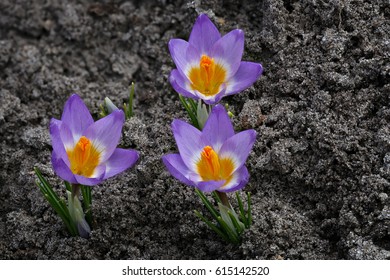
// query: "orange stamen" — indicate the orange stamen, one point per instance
point(84, 158)
point(212, 168)
point(208, 77)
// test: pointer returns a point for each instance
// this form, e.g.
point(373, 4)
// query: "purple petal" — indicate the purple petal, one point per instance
point(184, 55)
point(218, 128)
point(178, 82)
point(177, 168)
point(209, 186)
point(105, 133)
point(57, 143)
point(61, 169)
point(246, 75)
point(238, 147)
point(76, 116)
point(239, 180)
point(228, 50)
point(97, 178)
point(204, 34)
point(189, 142)
point(119, 161)
point(68, 139)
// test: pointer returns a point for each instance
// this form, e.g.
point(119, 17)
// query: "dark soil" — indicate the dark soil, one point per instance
point(320, 169)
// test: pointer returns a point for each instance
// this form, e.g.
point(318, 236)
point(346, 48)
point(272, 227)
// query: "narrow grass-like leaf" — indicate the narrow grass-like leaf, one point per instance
point(212, 226)
point(207, 203)
point(242, 211)
point(87, 201)
point(239, 228)
point(48, 190)
point(232, 235)
point(68, 186)
point(193, 105)
point(129, 109)
point(249, 210)
point(58, 204)
point(52, 201)
point(188, 108)
point(216, 197)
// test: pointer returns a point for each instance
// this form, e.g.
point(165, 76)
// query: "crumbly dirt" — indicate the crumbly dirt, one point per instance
point(320, 169)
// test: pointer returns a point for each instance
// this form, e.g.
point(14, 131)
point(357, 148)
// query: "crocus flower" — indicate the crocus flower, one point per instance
point(84, 151)
point(211, 159)
point(209, 66)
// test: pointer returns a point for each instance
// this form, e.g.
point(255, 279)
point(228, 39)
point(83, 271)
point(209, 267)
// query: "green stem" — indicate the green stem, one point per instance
point(224, 198)
point(75, 190)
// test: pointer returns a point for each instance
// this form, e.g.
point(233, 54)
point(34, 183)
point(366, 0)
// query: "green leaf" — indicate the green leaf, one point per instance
point(87, 201)
point(129, 108)
point(189, 110)
point(56, 203)
point(212, 226)
point(233, 237)
point(216, 197)
point(224, 210)
point(68, 186)
point(240, 227)
point(242, 211)
point(193, 105)
point(249, 210)
point(207, 203)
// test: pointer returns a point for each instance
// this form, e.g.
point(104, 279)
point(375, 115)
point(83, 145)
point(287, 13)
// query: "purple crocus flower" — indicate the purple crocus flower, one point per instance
point(84, 151)
point(209, 66)
point(211, 159)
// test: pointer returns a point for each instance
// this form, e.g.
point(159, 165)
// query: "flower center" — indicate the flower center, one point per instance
point(208, 77)
point(83, 158)
point(213, 168)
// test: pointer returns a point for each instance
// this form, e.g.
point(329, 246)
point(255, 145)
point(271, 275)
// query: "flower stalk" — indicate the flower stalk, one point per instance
point(76, 212)
point(223, 198)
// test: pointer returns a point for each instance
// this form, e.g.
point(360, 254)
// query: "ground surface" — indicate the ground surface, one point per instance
point(320, 169)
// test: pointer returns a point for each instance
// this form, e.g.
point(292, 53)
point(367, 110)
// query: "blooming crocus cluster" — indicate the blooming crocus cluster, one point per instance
point(211, 159)
point(209, 66)
point(85, 152)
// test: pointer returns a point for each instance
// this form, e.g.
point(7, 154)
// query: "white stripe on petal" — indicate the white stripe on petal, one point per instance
point(233, 181)
point(230, 156)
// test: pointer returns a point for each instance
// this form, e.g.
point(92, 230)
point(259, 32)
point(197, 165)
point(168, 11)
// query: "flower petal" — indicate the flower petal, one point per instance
point(238, 147)
point(218, 128)
point(105, 133)
point(178, 82)
point(177, 168)
point(96, 178)
point(246, 75)
point(204, 34)
point(61, 169)
point(76, 116)
point(189, 143)
point(212, 99)
point(119, 161)
point(238, 181)
point(228, 50)
point(209, 186)
point(57, 142)
point(184, 55)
